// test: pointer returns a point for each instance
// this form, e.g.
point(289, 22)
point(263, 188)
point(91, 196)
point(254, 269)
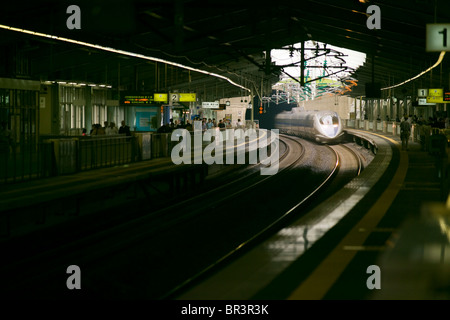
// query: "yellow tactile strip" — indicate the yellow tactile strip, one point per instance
point(324, 276)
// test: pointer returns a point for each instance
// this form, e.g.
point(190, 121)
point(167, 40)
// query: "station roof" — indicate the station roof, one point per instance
point(227, 38)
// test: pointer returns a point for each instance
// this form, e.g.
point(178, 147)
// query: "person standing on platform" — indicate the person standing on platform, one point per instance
point(209, 124)
point(405, 131)
point(188, 125)
point(203, 125)
point(124, 129)
point(422, 128)
point(100, 130)
point(112, 129)
point(95, 130)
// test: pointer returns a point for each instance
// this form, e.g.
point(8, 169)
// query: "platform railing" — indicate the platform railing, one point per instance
point(52, 157)
point(60, 155)
point(26, 161)
point(97, 153)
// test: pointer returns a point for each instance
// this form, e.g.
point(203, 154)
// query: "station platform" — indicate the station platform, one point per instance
point(385, 235)
point(41, 203)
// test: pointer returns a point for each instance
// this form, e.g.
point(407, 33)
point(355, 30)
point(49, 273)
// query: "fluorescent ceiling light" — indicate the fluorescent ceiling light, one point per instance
point(122, 52)
point(441, 57)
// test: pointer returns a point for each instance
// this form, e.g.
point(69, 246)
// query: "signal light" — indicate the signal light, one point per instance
point(260, 110)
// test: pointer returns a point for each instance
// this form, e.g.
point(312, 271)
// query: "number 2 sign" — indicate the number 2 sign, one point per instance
point(437, 37)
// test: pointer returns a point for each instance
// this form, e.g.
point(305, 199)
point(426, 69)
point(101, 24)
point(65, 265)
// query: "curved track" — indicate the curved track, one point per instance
point(254, 271)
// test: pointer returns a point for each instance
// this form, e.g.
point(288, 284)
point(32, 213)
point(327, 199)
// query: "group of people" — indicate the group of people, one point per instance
point(174, 124)
point(222, 125)
point(206, 124)
point(109, 129)
point(425, 128)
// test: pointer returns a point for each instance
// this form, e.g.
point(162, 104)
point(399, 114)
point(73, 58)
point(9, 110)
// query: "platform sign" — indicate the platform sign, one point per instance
point(431, 99)
point(160, 97)
point(438, 37)
point(435, 92)
point(436, 100)
point(174, 97)
point(183, 97)
point(423, 102)
point(209, 105)
point(422, 92)
point(187, 97)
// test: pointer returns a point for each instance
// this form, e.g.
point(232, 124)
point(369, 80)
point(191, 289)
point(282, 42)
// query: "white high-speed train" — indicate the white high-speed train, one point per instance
point(320, 126)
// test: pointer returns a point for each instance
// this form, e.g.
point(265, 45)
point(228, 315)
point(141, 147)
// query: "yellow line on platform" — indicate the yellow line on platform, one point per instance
point(384, 137)
point(325, 275)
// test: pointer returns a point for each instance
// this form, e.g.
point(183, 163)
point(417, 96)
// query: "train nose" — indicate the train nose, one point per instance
point(330, 125)
point(331, 130)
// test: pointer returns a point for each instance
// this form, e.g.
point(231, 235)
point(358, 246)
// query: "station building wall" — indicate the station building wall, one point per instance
point(237, 108)
point(343, 105)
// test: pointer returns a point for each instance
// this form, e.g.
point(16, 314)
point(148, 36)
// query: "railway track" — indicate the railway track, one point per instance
point(278, 250)
point(147, 257)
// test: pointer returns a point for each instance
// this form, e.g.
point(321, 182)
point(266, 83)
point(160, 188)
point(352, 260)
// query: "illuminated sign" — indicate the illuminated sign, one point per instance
point(132, 98)
point(435, 92)
point(128, 99)
point(438, 37)
point(187, 97)
point(431, 99)
point(160, 97)
point(422, 92)
point(174, 97)
point(447, 96)
point(183, 97)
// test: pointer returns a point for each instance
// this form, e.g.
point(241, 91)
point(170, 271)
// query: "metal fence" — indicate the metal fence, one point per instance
point(58, 156)
point(26, 161)
point(106, 152)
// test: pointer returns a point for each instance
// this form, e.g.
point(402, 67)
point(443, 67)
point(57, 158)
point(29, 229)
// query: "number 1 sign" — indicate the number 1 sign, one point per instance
point(437, 37)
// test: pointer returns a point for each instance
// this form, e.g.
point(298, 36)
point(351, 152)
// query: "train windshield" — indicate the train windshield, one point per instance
point(329, 120)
